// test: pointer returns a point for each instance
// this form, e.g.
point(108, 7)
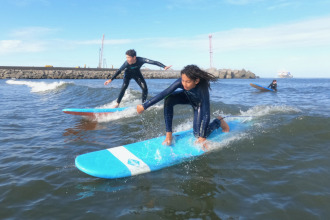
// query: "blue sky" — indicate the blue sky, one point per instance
point(263, 36)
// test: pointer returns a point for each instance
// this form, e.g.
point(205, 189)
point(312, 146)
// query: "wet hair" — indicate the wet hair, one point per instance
point(193, 72)
point(274, 80)
point(131, 53)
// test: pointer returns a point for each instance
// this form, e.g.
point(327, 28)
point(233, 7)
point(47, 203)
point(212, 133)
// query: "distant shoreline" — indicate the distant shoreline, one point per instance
point(26, 72)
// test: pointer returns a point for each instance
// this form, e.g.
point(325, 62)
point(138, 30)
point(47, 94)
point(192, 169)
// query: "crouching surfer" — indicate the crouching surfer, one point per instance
point(195, 85)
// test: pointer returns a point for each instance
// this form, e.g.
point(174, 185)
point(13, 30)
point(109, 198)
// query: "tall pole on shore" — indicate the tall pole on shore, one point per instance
point(211, 51)
point(101, 54)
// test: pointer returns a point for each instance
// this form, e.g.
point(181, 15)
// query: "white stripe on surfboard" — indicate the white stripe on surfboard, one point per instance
point(132, 162)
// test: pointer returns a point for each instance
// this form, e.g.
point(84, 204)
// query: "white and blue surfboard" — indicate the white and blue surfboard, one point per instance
point(261, 88)
point(148, 155)
point(92, 111)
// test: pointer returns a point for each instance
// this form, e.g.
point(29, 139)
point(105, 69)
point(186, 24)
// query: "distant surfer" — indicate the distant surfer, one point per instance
point(273, 85)
point(132, 67)
point(195, 85)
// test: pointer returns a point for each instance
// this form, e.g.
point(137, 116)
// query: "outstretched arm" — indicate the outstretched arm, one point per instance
point(167, 67)
point(116, 73)
point(145, 60)
point(160, 96)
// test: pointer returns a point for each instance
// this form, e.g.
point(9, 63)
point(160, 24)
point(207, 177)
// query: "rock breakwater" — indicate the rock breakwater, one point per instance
point(9, 72)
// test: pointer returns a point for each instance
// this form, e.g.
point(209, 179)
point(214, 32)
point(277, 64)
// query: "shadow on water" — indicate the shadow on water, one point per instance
point(89, 189)
point(83, 125)
point(81, 131)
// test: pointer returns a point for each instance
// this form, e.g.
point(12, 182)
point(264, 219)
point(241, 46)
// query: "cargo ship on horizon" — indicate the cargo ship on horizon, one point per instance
point(284, 74)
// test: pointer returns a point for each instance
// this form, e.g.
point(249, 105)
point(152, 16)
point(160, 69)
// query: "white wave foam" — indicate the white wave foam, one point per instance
point(129, 100)
point(226, 142)
point(130, 112)
point(37, 86)
point(188, 124)
point(263, 110)
point(257, 111)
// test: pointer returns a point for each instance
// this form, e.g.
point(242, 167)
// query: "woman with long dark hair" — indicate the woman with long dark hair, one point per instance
point(195, 85)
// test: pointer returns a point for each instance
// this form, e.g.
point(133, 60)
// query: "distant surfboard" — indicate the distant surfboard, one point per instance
point(92, 111)
point(148, 155)
point(257, 86)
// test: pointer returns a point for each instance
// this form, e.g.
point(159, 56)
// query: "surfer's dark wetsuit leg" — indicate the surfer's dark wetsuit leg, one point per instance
point(126, 80)
point(170, 101)
point(143, 85)
point(215, 124)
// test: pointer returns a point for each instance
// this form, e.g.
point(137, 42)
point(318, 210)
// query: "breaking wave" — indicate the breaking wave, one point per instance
point(38, 86)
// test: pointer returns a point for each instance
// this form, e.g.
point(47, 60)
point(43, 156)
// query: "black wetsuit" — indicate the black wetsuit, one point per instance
point(197, 97)
point(273, 86)
point(133, 72)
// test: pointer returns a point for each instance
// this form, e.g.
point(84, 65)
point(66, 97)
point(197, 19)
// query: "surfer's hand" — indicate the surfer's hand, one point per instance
point(107, 82)
point(139, 109)
point(167, 67)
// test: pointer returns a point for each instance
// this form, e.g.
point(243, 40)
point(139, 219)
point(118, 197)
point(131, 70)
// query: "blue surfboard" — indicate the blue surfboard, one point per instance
point(148, 155)
point(261, 88)
point(92, 111)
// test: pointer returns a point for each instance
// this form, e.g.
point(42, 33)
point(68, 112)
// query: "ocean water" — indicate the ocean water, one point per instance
point(278, 168)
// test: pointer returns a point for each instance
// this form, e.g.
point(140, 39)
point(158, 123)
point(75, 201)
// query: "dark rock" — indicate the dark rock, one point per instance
point(7, 72)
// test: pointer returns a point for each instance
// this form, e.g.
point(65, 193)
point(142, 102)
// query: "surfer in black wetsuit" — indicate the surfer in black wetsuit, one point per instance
point(273, 85)
point(194, 84)
point(132, 67)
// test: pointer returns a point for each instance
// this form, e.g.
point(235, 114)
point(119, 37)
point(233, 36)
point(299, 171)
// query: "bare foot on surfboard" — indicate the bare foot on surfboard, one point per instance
point(168, 139)
point(203, 142)
point(116, 105)
point(224, 125)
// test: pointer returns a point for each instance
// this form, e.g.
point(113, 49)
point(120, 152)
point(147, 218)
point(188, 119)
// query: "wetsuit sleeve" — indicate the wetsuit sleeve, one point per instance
point(119, 70)
point(145, 60)
point(163, 94)
point(205, 110)
point(270, 85)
